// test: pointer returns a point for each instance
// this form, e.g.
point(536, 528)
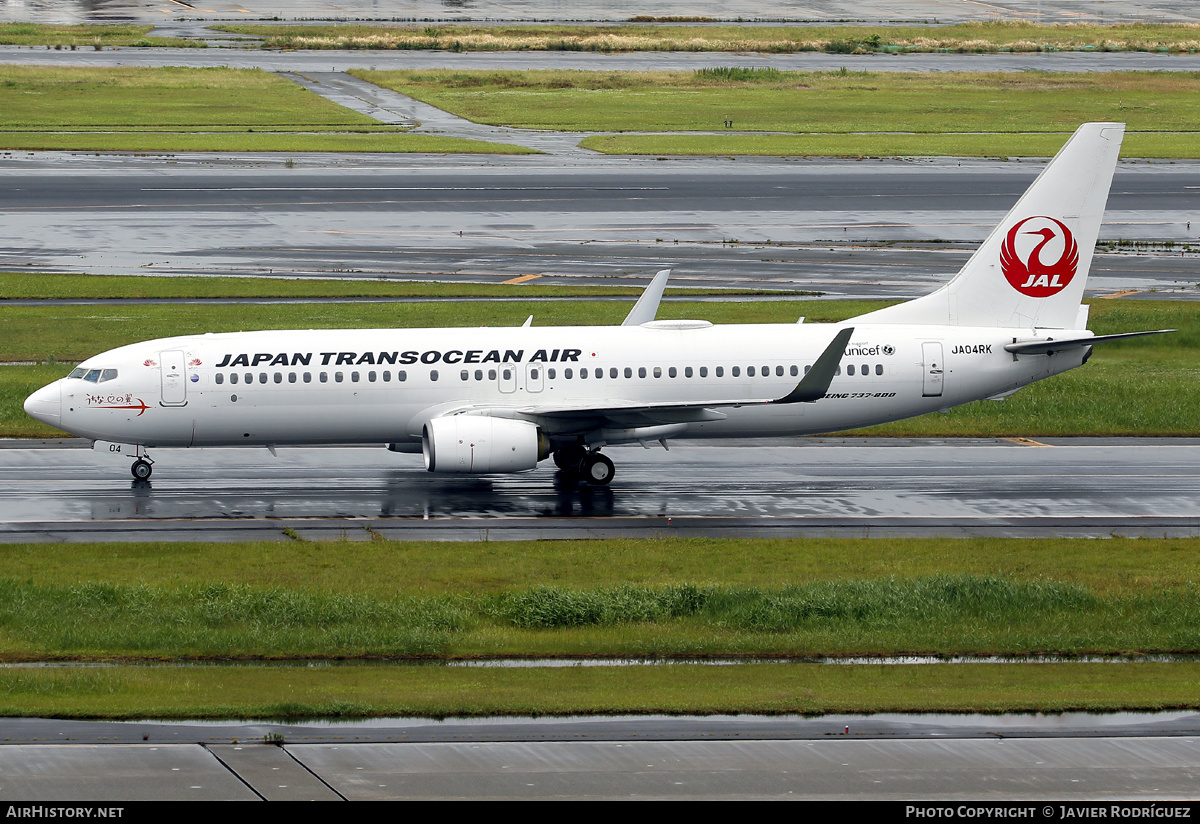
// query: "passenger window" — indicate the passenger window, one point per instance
point(612, 372)
point(720, 371)
point(324, 377)
point(233, 378)
point(387, 376)
point(533, 374)
point(704, 371)
point(628, 372)
point(371, 377)
point(641, 371)
point(433, 374)
point(478, 374)
point(262, 377)
point(779, 371)
point(550, 374)
point(866, 369)
point(354, 377)
point(465, 375)
point(750, 371)
point(278, 377)
point(567, 373)
point(338, 377)
point(672, 372)
point(249, 377)
point(599, 372)
point(879, 369)
point(491, 375)
point(308, 377)
point(795, 371)
point(291, 377)
point(219, 378)
point(401, 375)
point(736, 371)
point(850, 369)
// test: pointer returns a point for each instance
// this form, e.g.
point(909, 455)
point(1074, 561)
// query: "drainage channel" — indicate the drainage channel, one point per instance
point(551, 663)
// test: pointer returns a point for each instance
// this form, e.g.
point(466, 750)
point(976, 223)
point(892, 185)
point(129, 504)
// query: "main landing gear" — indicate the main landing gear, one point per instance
point(589, 464)
point(142, 468)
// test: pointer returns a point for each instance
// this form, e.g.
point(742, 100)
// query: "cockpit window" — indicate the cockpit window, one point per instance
point(94, 375)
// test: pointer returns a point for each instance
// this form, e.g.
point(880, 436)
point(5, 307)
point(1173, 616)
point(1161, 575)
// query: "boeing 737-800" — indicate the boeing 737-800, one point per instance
point(502, 399)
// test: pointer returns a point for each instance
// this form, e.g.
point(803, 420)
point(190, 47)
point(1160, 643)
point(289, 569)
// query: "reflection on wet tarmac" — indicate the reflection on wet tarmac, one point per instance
point(1073, 488)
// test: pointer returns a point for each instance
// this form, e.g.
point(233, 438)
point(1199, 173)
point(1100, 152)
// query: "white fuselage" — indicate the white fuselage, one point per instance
point(384, 385)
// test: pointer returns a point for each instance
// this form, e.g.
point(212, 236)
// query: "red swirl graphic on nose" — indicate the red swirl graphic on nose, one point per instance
point(1033, 276)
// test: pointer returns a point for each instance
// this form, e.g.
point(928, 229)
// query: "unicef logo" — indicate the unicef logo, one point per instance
point(888, 349)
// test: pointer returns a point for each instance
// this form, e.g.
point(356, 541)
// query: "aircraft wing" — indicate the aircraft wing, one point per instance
point(811, 388)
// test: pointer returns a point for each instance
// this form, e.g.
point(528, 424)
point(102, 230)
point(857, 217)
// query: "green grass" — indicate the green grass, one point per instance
point(839, 113)
point(1158, 372)
point(84, 36)
point(991, 36)
point(665, 597)
point(256, 142)
point(346, 693)
point(1184, 145)
point(134, 109)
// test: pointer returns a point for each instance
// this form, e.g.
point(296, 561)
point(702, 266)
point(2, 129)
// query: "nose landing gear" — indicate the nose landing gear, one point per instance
point(142, 468)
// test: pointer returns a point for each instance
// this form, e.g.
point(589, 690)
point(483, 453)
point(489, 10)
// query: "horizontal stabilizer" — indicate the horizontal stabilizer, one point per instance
point(1049, 347)
point(815, 383)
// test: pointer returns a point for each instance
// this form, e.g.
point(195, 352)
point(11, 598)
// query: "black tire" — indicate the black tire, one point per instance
point(569, 458)
point(141, 470)
point(597, 469)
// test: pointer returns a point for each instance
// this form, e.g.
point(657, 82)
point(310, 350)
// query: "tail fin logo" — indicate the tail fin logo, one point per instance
point(1023, 257)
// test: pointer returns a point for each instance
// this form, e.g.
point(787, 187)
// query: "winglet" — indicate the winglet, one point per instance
point(815, 383)
point(646, 308)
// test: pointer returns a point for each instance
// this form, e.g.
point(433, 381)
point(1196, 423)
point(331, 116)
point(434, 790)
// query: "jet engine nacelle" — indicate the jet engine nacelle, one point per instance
point(478, 443)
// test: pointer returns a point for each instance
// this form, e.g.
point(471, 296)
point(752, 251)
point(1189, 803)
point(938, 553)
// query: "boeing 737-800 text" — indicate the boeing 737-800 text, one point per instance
point(502, 399)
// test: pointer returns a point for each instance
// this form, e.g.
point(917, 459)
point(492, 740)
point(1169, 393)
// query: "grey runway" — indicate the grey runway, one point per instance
point(800, 487)
point(1073, 756)
point(843, 229)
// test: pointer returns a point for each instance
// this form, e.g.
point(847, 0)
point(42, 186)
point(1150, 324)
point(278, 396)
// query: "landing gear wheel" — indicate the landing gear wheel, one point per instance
point(569, 457)
point(597, 469)
point(141, 470)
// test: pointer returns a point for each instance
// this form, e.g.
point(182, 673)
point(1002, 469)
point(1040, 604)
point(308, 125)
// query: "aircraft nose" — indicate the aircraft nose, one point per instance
point(46, 404)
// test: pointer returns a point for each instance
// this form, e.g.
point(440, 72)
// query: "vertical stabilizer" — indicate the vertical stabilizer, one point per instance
point(1032, 269)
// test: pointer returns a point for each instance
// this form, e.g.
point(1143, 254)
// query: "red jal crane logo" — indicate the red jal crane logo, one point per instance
point(1030, 273)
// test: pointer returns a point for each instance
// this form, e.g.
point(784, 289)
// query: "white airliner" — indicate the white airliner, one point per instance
point(487, 400)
